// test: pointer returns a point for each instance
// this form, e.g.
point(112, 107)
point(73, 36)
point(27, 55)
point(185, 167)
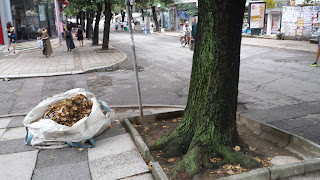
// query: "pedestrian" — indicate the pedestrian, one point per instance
point(11, 33)
point(79, 35)
point(69, 38)
point(116, 25)
point(144, 28)
point(47, 51)
point(187, 31)
point(193, 32)
point(133, 25)
point(125, 26)
point(121, 24)
point(317, 55)
point(151, 27)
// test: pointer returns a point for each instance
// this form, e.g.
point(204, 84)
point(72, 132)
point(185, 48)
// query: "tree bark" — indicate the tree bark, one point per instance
point(95, 39)
point(106, 32)
point(142, 14)
point(89, 24)
point(82, 16)
point(208, 128)
point(155, 18)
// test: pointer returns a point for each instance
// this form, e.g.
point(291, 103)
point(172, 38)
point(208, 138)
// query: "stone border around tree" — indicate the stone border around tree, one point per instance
point(305, 148)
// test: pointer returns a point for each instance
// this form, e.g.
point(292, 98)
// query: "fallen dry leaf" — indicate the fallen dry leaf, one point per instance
point(252, 149)
point(174, 120)
point(219, 172)
point(237, 148)
point(165, 126)
point(111, 126)
point(269, 159)
point(214, 160)
point(52, 157)
point(134, 125)
point(166, 169)
point(171, 160)
point(149, 167)
point(155, 124)
point(80, 149)
point(258, 159)
point(146, 129)
point(231, 172)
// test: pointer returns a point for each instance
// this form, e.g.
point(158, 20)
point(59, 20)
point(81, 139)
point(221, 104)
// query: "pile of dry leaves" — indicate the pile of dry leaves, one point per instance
point(69, 111)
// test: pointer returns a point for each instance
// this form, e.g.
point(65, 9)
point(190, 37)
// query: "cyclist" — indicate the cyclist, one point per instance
point(187, 31)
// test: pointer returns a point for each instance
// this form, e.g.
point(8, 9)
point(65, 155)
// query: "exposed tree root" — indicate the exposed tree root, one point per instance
point(177, 143)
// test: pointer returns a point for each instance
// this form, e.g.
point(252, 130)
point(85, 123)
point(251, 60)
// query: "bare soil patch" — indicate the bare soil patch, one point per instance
point(262, 150)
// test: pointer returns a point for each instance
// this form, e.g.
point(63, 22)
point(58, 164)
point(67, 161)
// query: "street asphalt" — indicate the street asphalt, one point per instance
point(276, 87)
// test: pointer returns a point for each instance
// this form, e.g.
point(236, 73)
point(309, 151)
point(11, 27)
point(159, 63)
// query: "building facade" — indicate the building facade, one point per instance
point(175, 16)
point(27, 16)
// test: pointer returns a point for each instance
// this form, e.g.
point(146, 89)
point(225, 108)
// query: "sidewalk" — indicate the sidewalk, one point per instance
point(114, 157)
point(263, 42)
point(62, 62)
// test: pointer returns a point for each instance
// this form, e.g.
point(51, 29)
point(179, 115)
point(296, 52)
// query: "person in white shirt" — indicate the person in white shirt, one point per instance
point(151, 27)
point(187, 31)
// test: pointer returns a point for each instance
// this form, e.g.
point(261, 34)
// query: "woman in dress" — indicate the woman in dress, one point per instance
point(68, 37)
point(11, 32)
point(80, 34)
point(47, 51)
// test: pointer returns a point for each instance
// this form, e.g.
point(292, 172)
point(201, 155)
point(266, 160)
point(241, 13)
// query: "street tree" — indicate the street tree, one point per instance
point(106, 31)
point(208, 128)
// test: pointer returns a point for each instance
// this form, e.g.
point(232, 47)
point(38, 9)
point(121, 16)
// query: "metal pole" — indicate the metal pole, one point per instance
point(134, 60)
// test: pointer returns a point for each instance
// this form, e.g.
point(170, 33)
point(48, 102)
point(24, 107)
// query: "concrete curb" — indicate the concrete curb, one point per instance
point(292, 142)
point(157, 170)
point(108, 68)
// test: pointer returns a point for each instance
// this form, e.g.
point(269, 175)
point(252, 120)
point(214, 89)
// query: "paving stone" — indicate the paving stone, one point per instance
point(13, 133)
point(55, 157)
point(118, 166)
point(4, 122)
point(1, 132)
point(111, 146)
point(78, 171)
point(14, 146)
point(18, 165)
point(16, 122)
point(146, 176)
point(308, 176)
point(115, 131)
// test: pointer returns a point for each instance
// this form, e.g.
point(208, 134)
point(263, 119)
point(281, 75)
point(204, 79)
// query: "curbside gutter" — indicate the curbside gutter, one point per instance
point(109, 68)
point(305, 148)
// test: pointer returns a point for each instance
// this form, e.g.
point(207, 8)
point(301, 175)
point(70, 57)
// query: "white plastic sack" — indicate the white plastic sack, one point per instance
point(40, 44)
point(47, 132)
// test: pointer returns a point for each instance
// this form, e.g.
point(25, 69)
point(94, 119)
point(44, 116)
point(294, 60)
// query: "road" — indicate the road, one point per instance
point(276, 86)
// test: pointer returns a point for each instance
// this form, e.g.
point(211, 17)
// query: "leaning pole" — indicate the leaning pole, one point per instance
point(129, 16)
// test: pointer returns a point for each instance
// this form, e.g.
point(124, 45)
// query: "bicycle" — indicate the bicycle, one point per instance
point(184, 40)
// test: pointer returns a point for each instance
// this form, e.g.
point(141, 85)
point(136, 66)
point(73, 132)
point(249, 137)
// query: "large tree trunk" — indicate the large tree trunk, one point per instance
point(106, 32)
point(155, 18)
point(142, 13)
point(208, 128)
point(89, 24)
point(82, 16)
point(95, 39)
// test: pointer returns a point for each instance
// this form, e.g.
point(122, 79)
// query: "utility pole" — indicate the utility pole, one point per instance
point(129, 18)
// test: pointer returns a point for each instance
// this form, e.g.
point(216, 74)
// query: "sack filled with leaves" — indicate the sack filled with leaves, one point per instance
point(74, 116)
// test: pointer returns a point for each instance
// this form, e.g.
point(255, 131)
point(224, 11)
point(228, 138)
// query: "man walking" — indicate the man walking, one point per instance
point(193, 32)
point(194, 28)
point(317, 55)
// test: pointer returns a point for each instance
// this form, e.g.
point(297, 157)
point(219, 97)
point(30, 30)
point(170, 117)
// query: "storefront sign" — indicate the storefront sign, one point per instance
point(256, 15)
point(42, 13)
